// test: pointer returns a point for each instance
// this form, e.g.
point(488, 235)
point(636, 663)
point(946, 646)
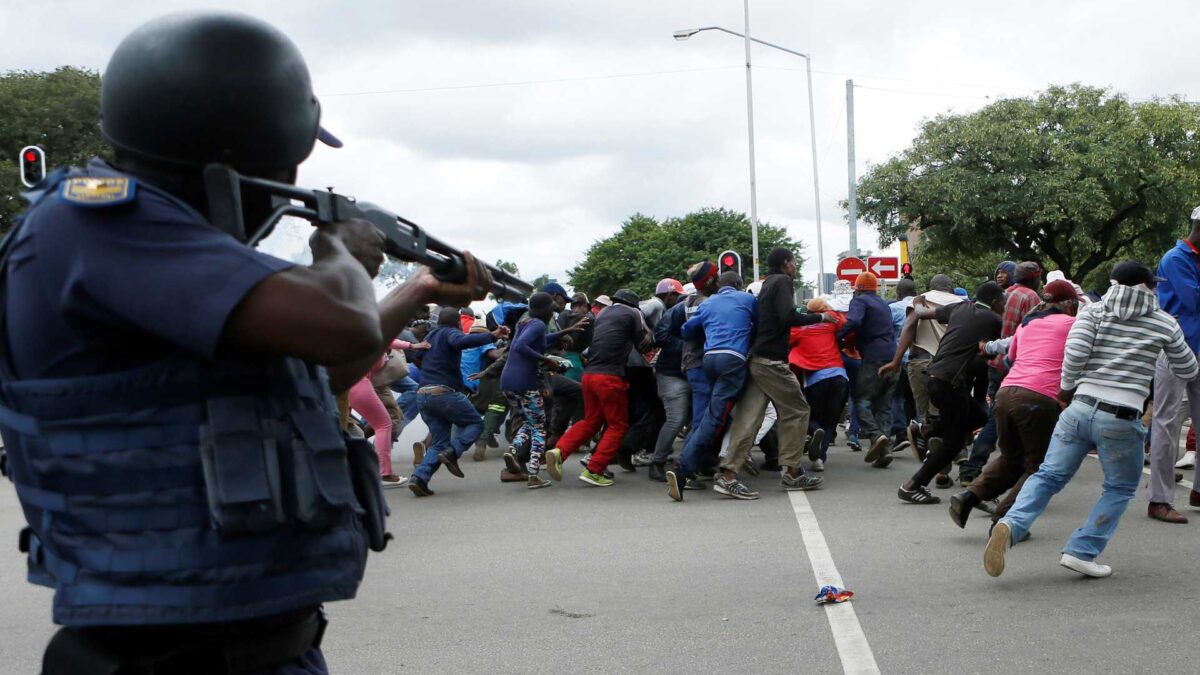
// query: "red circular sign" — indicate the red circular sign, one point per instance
point(849, 269)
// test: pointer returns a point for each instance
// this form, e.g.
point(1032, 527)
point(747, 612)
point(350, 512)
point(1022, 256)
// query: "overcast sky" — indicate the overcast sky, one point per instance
point(527, 129)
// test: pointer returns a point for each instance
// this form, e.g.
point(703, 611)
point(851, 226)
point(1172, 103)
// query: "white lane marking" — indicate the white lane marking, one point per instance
point(852, 646)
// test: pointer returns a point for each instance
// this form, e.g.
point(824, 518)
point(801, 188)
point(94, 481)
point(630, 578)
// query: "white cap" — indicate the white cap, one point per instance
point(1055, 276)
point(754, 287)
point(1196, 213)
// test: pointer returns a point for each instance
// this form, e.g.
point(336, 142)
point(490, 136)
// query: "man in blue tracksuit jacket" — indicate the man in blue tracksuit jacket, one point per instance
point(728, 320)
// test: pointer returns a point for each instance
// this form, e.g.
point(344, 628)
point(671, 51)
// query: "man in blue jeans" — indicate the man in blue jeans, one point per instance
point(1106, 374)
point(441, 400)
point(727, 319)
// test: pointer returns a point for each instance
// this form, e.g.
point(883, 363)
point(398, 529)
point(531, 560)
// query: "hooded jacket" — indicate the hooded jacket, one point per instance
point(1112, 348)
point(1179, 295)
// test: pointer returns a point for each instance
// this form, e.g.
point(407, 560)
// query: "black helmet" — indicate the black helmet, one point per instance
point(194, 88)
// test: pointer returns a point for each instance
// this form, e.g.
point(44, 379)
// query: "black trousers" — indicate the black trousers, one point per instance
point(959, 414)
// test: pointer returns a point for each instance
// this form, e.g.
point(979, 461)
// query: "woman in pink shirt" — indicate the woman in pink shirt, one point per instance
point(1026, 407)
point(366, 402)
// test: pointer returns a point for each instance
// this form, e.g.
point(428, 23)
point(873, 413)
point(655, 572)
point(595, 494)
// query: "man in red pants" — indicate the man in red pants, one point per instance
point(605, 400)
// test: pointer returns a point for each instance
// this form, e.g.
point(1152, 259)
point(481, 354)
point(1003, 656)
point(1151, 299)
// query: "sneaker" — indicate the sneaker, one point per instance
point(901, 445)
point(553, 459)
point(507, 476)
point(813, 447)
point(643, 458)
point(943, 481)
point(818, 465)
point(805, 481)
point(693, 483)
point(625, 461)
point(394, 481)
point(884, 460)
point(879, 447)
point(418, 453)
point(585, 459)
point(674, 490)
point(997, 547)
point(749, 467)
point(1188, 461)
point(511, 464)
point(536, 482)
point(597, 479)
point(657, 473)
point(852, 443)
point(918, 495)
point(419, 487)
point(480, 453)
point(917, 442)
point(448, 458)
point(1088, 568)
point(733, 488)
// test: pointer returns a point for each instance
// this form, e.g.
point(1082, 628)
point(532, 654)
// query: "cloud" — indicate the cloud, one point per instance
point(536, 169)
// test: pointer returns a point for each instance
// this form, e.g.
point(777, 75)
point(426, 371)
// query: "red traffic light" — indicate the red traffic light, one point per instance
point(906, 269)
point(30, 156)
point(728, 260)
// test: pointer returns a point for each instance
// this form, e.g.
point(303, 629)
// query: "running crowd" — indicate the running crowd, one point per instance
point(687, 382)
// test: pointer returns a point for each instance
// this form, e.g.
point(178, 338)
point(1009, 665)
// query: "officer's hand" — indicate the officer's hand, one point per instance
point(475, 287)
point(361, 239)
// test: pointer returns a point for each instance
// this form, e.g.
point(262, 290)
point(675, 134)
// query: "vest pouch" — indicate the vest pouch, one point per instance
point(322, 488)
point(364, 464)
point(241, 468)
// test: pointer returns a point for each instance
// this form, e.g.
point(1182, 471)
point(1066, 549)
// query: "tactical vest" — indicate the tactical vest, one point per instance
point(185, 490)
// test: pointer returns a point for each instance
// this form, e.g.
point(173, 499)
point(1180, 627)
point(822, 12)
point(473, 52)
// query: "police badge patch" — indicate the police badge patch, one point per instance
point(98, 191)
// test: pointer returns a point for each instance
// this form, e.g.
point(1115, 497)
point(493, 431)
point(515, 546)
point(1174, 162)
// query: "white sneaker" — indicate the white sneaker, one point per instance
point(643, 458)
point(818, 465)
point(1188, 461)
point(1087, 568)
point(400, 481)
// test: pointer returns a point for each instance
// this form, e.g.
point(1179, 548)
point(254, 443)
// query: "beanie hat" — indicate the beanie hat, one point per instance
point(701, 273)
point(866, 282)
point(1026, 271)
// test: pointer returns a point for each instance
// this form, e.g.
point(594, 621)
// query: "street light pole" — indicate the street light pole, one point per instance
point(812, 127)
point(750, 132)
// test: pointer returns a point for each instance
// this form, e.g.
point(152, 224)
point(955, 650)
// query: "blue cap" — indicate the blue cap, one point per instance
point(554, 288)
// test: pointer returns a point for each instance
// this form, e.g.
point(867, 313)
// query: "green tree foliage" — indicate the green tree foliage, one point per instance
point(58, 111)
point(508, 266)
point(1075, 178)
point(646, 250)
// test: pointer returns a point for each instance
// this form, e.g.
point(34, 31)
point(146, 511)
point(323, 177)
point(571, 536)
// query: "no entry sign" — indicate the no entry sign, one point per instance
point(849, 269)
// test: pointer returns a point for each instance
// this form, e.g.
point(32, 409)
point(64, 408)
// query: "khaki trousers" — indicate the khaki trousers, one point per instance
point(769, 381)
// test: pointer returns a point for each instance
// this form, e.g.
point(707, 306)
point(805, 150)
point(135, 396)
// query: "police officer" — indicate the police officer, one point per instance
point(166, 391)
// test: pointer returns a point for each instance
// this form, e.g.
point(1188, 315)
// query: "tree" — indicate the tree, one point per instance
point(1074, 178)
point(58, 111)
point(644, 250)
point(541, 281)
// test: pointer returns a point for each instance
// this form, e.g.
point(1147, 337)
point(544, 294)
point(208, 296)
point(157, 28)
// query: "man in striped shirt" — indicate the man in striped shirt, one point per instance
point(1106, 375)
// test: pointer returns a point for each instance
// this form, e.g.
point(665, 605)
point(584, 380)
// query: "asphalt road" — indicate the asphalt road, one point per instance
point(491, 577)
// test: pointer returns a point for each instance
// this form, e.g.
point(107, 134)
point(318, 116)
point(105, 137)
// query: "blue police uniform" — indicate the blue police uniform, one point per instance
point(166, 479)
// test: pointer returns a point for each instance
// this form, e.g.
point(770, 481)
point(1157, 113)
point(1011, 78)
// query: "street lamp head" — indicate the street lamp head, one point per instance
point(685, 34)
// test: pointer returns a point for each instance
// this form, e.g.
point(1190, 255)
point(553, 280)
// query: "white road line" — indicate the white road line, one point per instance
point(852, 646)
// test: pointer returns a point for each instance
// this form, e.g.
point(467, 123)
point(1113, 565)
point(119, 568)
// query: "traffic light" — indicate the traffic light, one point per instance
point(906, 270)
point(730, 261)
point(33, 165)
